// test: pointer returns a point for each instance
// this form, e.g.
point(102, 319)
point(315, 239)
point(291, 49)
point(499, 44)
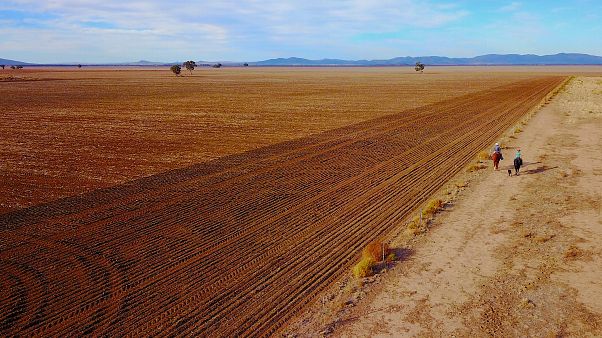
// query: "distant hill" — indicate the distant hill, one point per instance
point(489, 59)
point(482, 60)
point(13, 63)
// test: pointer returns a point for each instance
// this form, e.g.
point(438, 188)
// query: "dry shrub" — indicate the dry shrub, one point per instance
point(413, 231)
point(372, 253)
point(483, 155)
point(414, 227)
point(365, 267)
point(475, 167)
point(376, 251)
point(518, 130)
point(461, 185)
point(432, 207)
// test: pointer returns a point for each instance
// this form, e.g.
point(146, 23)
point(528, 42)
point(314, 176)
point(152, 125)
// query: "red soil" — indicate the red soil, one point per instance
point(238, 245)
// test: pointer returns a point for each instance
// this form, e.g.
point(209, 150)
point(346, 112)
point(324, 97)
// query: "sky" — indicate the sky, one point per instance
point(103, 31)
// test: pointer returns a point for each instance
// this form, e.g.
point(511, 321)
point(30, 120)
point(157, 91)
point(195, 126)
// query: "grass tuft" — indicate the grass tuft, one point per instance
point(365, 267)
point(432, 207)
point(475, 167)
point(483, 155)
point(372, 253)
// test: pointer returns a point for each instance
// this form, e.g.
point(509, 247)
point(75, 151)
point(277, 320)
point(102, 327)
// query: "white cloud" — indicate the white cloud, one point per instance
point(511, 7)
point(211, 28)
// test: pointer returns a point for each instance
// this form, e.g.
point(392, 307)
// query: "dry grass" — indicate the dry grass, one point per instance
point(373, 253)
point(483, 155)
point(518, 130)
point(475, 167)
point(365, 267)
point(432, 208)
point(418, 224)
point(461, 184)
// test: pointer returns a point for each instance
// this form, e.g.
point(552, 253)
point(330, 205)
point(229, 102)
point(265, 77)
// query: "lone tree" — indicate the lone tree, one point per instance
point(217, 65)
point(13, 67)
point(176, 69)
point(189, 65)
point(19, 67)
point(79, 66)
point(246, 64)
point(2, 66)
point(419, 67)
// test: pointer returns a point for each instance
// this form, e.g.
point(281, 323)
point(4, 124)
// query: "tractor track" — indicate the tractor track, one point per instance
point(238, 246)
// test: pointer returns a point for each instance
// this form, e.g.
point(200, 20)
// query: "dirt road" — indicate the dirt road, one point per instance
point(515, 256)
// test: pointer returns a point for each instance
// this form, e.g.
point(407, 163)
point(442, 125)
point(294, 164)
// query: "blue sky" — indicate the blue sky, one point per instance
point(91, 31)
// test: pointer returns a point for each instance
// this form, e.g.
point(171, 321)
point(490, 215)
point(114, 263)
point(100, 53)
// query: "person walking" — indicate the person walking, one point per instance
point(518, 162)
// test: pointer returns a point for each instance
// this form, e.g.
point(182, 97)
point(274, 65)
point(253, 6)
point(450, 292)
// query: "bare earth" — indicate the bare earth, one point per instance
point(515, 256)
point(68, 131)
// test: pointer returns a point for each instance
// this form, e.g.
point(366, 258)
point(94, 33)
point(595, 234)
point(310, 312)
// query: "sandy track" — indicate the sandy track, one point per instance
point(516, 256)
point(238, 245)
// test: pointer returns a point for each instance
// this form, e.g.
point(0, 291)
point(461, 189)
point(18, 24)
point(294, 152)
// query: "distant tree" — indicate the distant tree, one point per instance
point(217, 65)
point(419, 67)
point(19, 67)
point(246, 64)
point(189, 65)
point(13, 67)
point(2, 66)
point(176, 69)
point(79, 66)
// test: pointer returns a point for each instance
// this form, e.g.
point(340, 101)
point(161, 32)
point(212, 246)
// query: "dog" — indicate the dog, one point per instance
point(509, 172)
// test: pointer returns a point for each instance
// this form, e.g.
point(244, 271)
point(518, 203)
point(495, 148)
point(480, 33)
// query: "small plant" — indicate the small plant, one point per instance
point(365, 267)
point(483, 155)
point(517, 130)
point(432, 207)
point(475, 167)
point(461, 184)
point(374, 252)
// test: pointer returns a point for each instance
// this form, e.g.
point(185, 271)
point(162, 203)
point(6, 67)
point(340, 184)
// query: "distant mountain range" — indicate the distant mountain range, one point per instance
point(489, 59)
point(7, 62)
point(482, 60)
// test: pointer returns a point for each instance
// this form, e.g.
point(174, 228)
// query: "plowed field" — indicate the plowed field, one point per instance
point(64, 132)
point(238, 245)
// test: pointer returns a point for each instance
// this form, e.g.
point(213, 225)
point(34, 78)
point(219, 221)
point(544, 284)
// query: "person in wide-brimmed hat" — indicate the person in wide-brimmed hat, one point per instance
point(518, 161)
point(497, 156)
